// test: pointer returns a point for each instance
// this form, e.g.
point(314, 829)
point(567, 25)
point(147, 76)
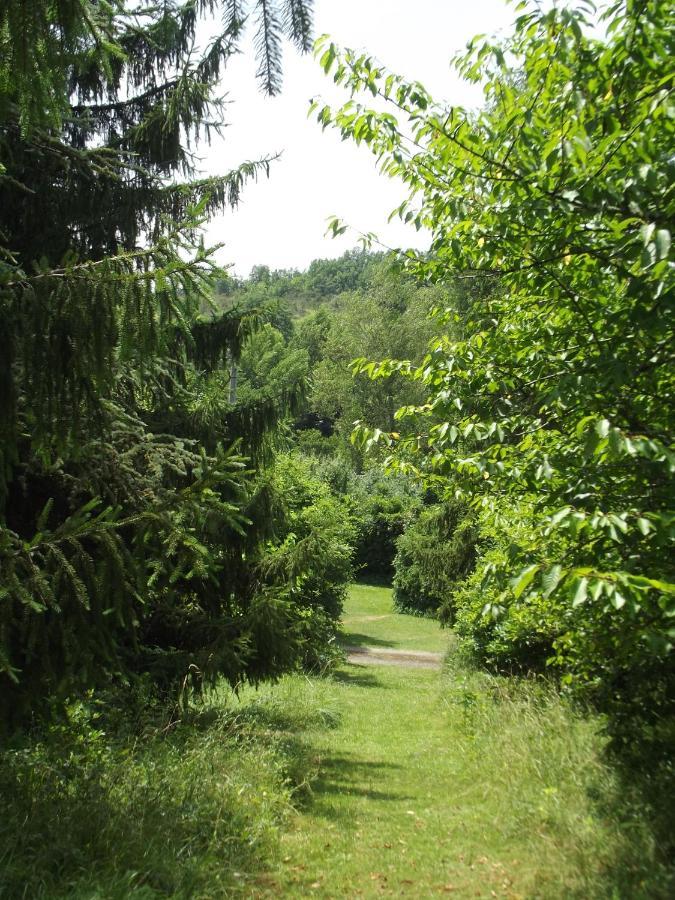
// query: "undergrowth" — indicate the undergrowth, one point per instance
point(590, 829)
point(375, 781)
point(100, 807)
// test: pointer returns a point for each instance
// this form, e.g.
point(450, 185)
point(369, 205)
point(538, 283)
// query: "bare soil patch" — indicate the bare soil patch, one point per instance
point(378, 656)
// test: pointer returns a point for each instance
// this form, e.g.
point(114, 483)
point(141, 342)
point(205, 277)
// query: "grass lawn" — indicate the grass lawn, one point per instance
point(449, 783)
point(370, 620)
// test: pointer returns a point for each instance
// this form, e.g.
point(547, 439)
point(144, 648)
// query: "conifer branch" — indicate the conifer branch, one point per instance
point(268, 47)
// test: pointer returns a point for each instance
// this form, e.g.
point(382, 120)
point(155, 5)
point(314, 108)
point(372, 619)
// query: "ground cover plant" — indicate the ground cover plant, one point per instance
point(377, 780)
point(112, 805)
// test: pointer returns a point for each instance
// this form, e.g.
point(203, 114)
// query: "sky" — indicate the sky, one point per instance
point(281, 221)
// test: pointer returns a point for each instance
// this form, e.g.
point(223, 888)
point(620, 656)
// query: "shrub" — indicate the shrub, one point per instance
point(308, 562)
point(433, 555)
point(383, 506)
point(380, 507)
point(601, 659)
point(554, 390)
point(381, 522)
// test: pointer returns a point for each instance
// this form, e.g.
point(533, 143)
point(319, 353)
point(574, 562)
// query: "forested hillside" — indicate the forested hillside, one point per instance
point(194, 467)
point(299, 293)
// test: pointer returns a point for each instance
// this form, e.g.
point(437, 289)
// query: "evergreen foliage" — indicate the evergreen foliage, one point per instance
point(383, 508)
point(127, 530)
point(434, 555)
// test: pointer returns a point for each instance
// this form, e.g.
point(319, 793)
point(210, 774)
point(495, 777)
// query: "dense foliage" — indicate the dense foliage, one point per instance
point(133, 535)
point(321, 319)
point(300, 293)
point(392, 317)
point(180, 503)
point(381, 508)
point(550, 409)
point(434, 555)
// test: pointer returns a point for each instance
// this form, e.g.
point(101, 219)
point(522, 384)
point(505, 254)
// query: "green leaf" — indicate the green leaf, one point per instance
point(596, 589)
point(328, 58)
point(662, 242)
point(602, 427)
point(617, 599)
point(523, 580)
point(559, 516)
point(551, 580)
point(581, 592)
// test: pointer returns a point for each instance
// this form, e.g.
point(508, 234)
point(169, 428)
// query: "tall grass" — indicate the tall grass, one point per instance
point(373, 781)
point(547, 780)
point(187, 809)
point(467, 784)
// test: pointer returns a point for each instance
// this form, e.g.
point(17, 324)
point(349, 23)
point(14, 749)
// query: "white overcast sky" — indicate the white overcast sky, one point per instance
point(281, 222)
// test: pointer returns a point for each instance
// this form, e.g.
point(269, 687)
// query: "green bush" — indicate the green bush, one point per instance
point(382, 506)
point(382, 520)
point(308, 562)
point(433, 555)
point(607, 660)
point(313, 442)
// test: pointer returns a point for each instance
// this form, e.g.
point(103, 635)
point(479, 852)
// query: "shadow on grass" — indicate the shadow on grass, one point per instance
point(643, 867)
point(345, 776)
point(362, 677)
point(369, 580)
point(356, 639)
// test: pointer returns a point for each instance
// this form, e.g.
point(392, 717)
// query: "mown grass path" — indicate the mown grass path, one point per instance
point(443, 783)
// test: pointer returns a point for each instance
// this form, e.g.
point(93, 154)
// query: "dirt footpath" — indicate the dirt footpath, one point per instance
point(377, 656)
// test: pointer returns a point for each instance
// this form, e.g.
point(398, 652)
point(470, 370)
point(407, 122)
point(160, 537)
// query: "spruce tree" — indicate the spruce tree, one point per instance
point(125, 508)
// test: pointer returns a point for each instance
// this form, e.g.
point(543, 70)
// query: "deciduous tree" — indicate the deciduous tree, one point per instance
point(555, 399)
